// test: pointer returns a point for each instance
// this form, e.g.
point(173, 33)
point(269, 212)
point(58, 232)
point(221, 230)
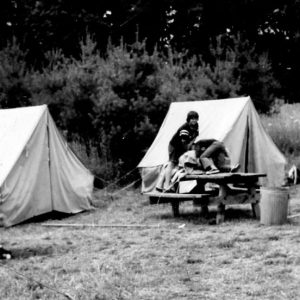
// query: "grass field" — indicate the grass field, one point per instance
point(148, 254)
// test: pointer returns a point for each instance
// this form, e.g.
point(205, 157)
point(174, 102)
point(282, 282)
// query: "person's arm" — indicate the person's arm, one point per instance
point(175, 137)
point(190, 144)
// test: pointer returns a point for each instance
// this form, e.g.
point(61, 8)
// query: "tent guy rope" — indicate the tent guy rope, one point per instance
point(101, 225)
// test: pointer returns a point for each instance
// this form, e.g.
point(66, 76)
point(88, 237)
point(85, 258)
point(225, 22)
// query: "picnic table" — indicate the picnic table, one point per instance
point(228, 189)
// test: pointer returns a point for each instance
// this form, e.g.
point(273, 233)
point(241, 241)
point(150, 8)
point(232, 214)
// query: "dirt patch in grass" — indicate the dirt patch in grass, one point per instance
point(153, 256)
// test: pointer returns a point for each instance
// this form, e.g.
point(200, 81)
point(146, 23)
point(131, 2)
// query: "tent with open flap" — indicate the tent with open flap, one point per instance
point(234, 121)
point(38, 171)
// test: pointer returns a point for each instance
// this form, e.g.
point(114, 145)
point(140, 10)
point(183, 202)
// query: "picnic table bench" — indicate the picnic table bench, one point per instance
point(229, 188)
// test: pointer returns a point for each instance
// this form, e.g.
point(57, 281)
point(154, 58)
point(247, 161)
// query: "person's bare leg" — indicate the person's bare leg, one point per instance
point(212, 150)
point(161, 179)
point(168, 174)
point(208, 165)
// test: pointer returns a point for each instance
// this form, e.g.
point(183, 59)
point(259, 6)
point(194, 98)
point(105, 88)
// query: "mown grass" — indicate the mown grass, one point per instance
point(173, 258)
point(182, 258)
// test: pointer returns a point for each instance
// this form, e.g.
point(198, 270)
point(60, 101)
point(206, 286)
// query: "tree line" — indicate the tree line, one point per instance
point(115, 104)
point(185, 26)
point(109, 69)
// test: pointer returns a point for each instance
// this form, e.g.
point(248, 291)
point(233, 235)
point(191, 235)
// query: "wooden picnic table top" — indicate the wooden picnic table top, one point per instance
point(227, 177)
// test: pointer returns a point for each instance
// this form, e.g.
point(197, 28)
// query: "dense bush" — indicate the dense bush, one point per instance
point(13, 75)
point(251, 69)
point(115, 104)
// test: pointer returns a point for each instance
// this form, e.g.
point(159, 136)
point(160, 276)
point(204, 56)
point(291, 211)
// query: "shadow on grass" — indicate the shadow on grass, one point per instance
point(26, 252)
point(196, 217)
point(54, 215)
point(238, 214)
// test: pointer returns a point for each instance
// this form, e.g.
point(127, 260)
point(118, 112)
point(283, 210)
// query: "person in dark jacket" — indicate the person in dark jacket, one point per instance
point(181, 142)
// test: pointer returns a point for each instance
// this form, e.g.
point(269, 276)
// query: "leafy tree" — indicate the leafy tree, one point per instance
point(273, 26)
point(124, 113)
point(13, 75)
point(251, 69)
point(69, 87)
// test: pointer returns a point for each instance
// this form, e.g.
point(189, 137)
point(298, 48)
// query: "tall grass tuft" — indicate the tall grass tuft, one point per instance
point(284, 128)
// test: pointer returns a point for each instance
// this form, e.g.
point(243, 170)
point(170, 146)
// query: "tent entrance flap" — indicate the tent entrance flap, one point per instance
point(49, 161)
point(247, 145)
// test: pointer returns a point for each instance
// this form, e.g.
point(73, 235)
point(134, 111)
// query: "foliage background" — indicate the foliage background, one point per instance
point(108, 104)
point(108, 71)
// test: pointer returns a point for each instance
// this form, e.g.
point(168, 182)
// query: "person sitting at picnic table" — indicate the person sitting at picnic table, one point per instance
point(214, 156)
point(181, 141)
point(206, 157)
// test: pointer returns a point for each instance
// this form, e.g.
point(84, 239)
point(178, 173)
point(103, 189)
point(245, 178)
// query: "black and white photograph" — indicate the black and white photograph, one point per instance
point(149, 150)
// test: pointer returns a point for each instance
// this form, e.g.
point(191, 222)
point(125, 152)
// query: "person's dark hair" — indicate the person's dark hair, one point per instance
point(192, 115)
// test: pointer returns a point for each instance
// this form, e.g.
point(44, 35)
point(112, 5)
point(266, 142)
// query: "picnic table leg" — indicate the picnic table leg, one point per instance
point(255, 210)
point(255, 206)
point(175, 208)
point(204, 201)
point(221, 207)
point(204, 207)
point(220, 213)
point(204, 210)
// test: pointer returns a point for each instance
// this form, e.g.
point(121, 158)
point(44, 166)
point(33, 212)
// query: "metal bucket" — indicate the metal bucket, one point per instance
point(274, 205)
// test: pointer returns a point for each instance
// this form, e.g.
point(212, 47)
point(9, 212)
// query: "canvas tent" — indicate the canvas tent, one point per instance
point(233, 121)
point(38, 171)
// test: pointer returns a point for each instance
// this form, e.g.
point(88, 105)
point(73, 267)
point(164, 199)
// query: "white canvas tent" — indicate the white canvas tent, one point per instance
point(38, 171)
point(233, 121)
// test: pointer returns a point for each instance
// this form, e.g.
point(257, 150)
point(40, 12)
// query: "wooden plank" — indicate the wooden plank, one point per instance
point(228, 177)
point(238, 193)
point(239, 198)
point(177, 195)
point(156, 198)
